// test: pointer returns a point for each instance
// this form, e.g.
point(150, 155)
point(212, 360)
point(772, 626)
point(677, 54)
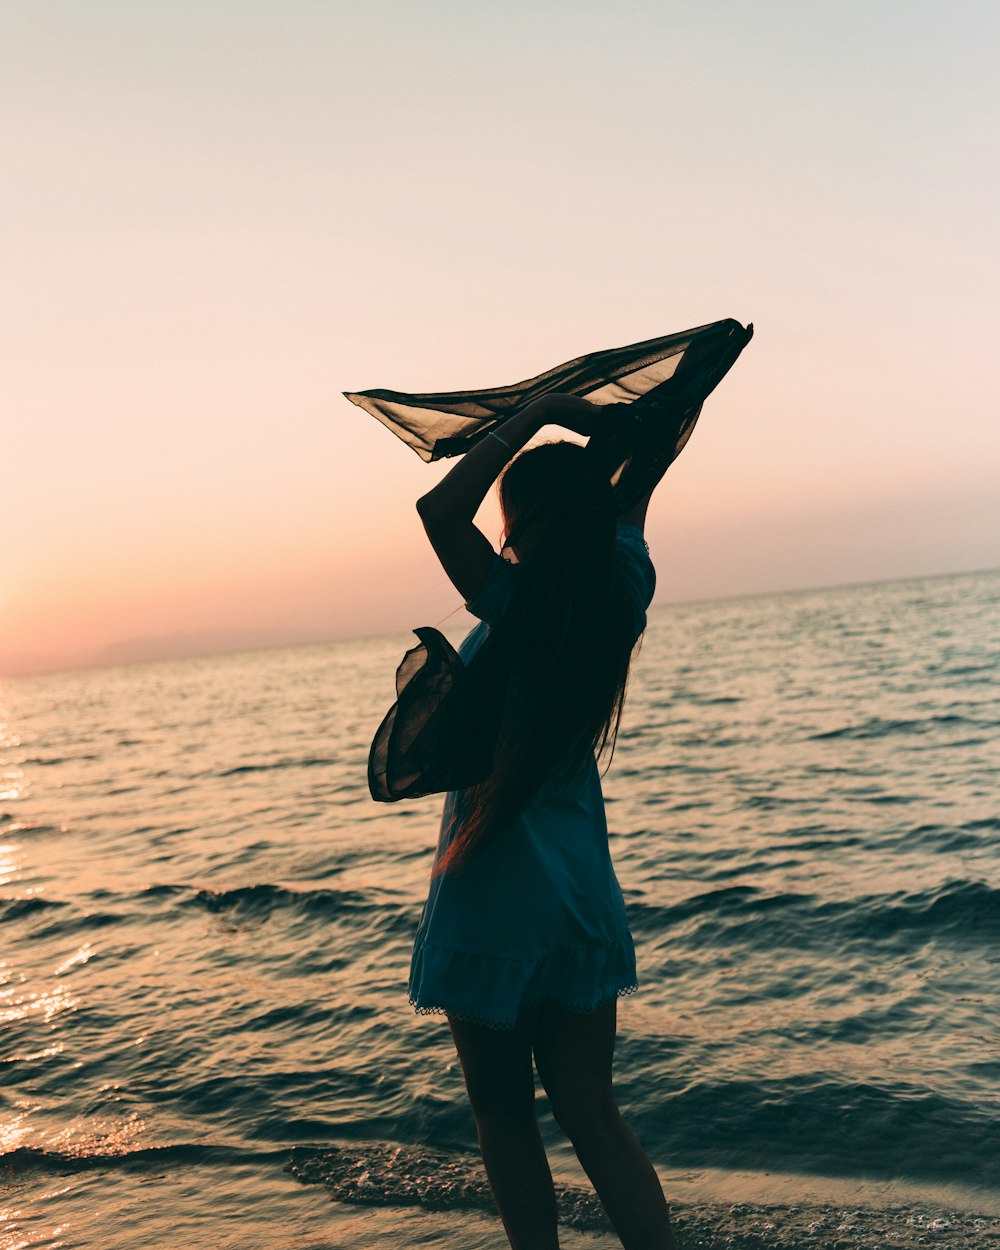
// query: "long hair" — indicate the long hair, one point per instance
point(566, 637)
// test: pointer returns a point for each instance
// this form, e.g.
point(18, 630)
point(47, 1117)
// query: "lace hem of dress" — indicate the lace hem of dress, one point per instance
point(491, 989)
point(509, 1025)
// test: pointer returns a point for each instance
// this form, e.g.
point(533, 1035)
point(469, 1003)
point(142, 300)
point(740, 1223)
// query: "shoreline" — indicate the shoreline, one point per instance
point(319, 1198)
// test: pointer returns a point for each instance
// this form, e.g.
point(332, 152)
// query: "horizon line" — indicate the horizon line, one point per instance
point(96, 664)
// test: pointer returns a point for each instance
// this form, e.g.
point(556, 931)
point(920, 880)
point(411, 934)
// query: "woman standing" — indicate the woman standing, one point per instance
point(523, 942)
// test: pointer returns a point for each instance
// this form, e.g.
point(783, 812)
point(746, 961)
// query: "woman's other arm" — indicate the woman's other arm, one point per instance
point(636, 515)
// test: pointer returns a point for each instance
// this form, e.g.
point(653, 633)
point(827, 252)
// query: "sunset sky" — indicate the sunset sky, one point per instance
point(219, 216)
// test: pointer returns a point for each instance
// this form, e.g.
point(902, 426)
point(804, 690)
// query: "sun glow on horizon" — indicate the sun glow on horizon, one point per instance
point(212, 237)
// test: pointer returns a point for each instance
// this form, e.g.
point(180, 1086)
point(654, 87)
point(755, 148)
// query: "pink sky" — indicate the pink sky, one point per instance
point(219, 217)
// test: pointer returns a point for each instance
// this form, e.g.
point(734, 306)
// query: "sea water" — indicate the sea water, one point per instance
point(207, 924)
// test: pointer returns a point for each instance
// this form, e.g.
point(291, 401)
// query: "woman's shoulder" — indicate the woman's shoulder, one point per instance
point(495, 595)
point(489, 604)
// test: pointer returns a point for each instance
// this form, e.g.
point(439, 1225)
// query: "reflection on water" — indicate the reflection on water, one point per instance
point(208, 926)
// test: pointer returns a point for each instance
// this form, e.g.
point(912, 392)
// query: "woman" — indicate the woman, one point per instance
point(523, 942)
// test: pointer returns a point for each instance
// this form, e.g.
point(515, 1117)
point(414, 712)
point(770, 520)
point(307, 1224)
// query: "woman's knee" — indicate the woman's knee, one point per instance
point(584, 1116)
point(501, 1103)
point(511, 1123)
point(573, 1054)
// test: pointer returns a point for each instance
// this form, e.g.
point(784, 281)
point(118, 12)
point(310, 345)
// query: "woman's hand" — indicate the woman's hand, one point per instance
point(574, 413)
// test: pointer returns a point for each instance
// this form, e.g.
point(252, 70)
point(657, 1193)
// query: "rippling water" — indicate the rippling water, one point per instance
point(207, 926)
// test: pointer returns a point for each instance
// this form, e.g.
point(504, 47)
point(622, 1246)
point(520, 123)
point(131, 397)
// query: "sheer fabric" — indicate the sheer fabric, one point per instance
point(441, 732)
point(653, 392)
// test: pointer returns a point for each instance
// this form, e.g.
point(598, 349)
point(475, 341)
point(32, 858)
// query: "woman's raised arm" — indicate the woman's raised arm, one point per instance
point(448, 510)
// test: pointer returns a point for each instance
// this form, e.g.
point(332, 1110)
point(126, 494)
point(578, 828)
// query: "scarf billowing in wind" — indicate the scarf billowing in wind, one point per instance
point(653, 391)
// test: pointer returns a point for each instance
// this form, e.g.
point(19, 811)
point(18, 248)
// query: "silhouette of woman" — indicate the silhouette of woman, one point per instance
point(523, 941)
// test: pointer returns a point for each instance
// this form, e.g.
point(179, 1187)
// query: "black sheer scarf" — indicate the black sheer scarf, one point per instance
point(653, 392)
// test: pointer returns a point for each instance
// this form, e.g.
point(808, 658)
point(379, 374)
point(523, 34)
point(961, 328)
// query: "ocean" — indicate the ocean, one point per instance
point(207, 923)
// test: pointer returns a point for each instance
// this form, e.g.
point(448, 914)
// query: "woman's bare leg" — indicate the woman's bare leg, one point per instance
point(501, 1084)
point(573, 1053)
